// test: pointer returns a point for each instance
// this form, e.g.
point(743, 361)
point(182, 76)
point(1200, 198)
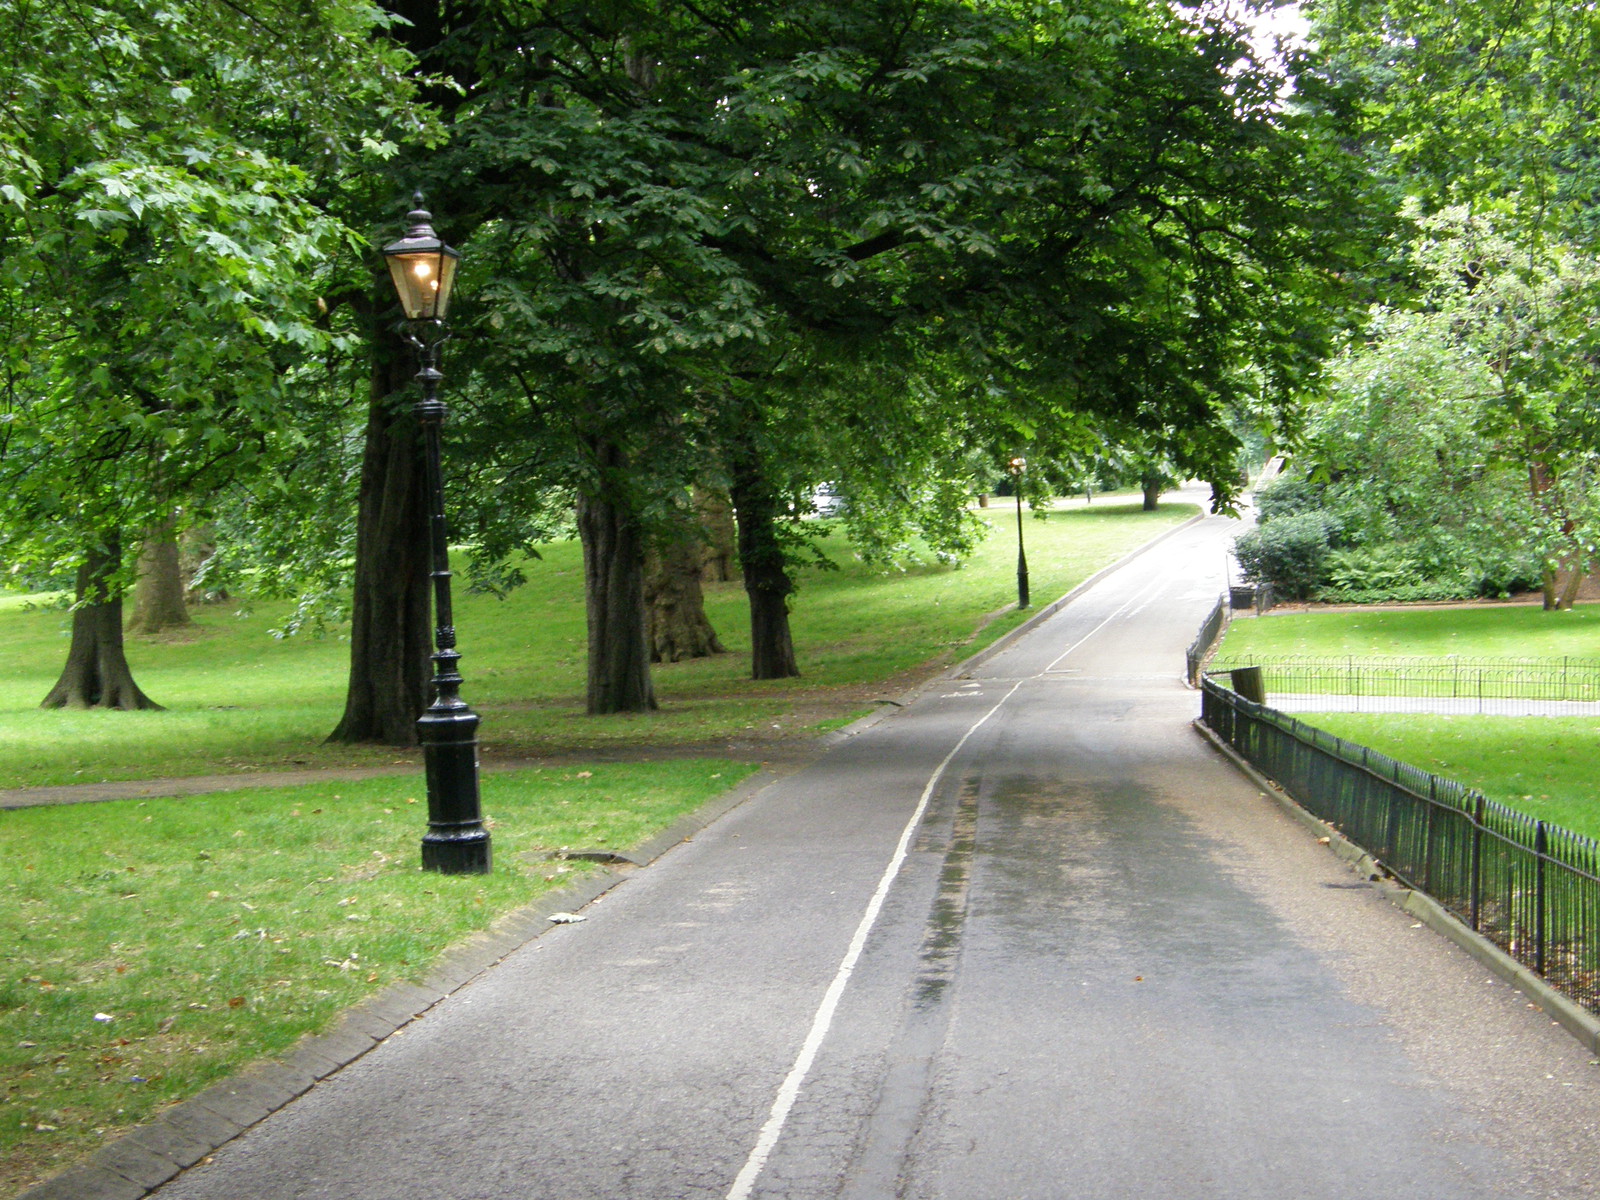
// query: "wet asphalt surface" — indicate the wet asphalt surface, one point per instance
point(1027, 937)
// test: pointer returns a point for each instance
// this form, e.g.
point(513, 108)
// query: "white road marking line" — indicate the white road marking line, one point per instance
point(1143, 600)
point(820, 1024)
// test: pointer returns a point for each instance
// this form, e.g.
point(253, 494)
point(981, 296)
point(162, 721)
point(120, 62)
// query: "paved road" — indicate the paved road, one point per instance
point(1028, 937)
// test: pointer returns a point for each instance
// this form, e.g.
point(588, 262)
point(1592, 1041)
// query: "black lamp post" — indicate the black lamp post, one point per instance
point(424, 270)
point(1018, 466)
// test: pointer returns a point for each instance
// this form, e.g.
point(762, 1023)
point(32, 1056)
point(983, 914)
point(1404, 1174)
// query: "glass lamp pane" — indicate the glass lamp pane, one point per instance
point(416, 278)
point(446, 266)
point(423, 281)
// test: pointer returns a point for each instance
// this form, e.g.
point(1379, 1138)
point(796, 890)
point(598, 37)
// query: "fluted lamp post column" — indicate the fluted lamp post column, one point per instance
point(1018, 466)
point(424, 269)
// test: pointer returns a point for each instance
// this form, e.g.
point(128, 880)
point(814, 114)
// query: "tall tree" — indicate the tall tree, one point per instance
point(1481, 118)
point(158, 258)
point(1109, 204)
point(96, 674)
point(390, 637)
point(676, 619)
point(1485, 104)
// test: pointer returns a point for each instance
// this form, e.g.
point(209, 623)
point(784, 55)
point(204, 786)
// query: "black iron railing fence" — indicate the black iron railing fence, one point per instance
point(1530, 887)
point(1486, 681)
point(1210, 630)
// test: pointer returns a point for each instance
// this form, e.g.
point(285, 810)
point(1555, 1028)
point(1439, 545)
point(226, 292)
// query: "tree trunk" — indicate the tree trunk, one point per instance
point(97, 674)
point(1561, 582)
point(1568, 593)
point(158, 598)
point(677, 626)
point(1151, 486)
point(721, 546)
point(390, 639)
point(766, 572)
point(1563, 573)
point(613, 583)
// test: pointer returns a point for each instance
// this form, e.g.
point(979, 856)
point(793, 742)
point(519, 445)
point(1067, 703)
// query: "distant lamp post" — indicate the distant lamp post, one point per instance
point(424, 271)
point(1018, 466)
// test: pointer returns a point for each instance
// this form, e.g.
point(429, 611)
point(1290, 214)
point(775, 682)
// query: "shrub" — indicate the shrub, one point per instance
point(1502, 575)
point(1289, 552)
point(1373, 569)
point(1422, 589)
point(1288, 496)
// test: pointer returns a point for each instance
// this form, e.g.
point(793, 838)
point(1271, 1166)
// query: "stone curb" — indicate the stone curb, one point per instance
point(1563, 1010)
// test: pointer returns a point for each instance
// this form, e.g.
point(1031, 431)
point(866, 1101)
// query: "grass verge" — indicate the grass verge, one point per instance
point(1487, 630)
point(153, 947)
point(238, 699)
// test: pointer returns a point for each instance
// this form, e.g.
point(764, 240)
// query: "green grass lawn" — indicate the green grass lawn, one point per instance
point(1543, 766)
point(154, 946)
point(238, 699)
point(1499, 630)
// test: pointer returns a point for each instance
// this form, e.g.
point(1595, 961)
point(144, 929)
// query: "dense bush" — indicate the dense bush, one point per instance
point(1379, 546)
point(1385, 572)
point(1288, 496)
point(1504, 575)
point(1289, 553)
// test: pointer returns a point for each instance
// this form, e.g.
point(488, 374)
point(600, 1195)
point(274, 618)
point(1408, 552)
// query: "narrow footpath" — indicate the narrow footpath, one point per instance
point(1027, 937)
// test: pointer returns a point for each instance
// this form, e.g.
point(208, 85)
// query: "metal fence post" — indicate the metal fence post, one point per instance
point(1391, 828)
point(1476, 869)
point(1427, 833)
point(1540, 847)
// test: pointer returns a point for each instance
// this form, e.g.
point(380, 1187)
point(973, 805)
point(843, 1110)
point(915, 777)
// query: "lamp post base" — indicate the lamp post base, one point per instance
point(456, 842)
point(466, 855)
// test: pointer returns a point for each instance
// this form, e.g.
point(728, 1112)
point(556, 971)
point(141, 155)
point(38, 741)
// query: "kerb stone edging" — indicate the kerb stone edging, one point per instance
point(1560, 1008)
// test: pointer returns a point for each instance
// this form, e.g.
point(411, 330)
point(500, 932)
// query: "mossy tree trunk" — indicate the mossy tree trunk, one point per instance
point(390, 638)
point(97, 674)
point(159, 595)
point(720, 550)
point(678, 627)
point(613, 579)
